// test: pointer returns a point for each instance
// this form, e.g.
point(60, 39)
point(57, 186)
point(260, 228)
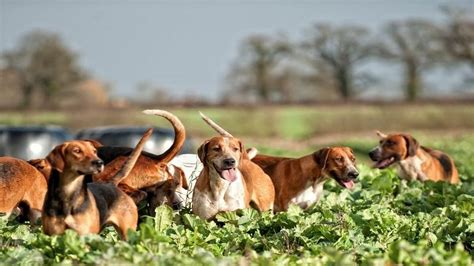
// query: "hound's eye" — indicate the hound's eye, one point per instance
point(217, 148)
point(339, 159)
point(76, 150)
point(353, 159)
point(235, 149)
point(389, 143)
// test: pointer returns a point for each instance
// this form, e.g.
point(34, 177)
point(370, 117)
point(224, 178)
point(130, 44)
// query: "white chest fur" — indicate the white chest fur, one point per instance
point(309, 196)
point(410, 168)
point(230, 197)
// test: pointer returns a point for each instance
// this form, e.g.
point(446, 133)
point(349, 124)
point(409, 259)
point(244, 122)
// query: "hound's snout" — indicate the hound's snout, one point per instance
point(353, 175)
point(374, 154)
point(98, 163)
point(229, 163)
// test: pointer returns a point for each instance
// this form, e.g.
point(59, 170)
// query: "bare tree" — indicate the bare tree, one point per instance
point(336, 52)
point(43, 62)
point(254, 70)
point(458, 39)
point(414, 44)
point(458, 36)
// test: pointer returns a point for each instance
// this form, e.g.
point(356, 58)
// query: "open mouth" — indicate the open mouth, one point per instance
point(229, 174)
point(384, 163)
point(93, 171)
point(349, 183)
point(98, 170)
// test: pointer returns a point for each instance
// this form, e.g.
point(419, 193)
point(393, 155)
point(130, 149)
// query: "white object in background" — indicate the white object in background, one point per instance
point(192, 167)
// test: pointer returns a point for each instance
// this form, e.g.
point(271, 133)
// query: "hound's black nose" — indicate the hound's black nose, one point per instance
point(98, 163)
point(229, 162)
point(374, 155)
point(353, 175)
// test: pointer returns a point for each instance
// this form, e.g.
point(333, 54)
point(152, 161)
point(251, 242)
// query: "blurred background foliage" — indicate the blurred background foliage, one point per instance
point(330, 63)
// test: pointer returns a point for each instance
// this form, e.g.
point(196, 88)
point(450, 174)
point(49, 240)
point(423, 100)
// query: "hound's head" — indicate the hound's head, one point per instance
point(77, 156)
point(223, 155)
point(393, 148)
point(339, 164)
point(165, 191)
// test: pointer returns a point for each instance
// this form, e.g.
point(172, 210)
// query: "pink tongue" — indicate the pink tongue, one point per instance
point(229, 175)
point(349, 184)
point(377, 164)
point(382, 163)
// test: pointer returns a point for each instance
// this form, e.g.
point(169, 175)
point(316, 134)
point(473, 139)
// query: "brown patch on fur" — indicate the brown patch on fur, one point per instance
point(290, 176)
point(259, 191)
point(165, 192)
point(74, 202)
point(436, 166)
point(43, 166)
point(135, 194)
point(149, 169)
point(21, 183)
point(258, 187)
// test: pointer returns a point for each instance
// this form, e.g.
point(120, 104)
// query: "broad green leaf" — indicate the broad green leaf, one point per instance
point(163, 217)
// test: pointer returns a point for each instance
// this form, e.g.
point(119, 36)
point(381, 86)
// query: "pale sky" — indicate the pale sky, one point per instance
point(185, 46)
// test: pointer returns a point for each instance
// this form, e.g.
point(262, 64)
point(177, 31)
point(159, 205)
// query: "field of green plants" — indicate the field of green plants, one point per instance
point(383, 220)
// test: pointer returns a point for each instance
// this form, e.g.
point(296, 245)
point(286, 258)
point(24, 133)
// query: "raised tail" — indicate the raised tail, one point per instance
point(179, 135)
point(252, 152)
point(132, 159)
point(215, 126)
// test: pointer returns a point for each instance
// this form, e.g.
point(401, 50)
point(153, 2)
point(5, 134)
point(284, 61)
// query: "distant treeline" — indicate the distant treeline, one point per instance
point(42, 72)
point(328, 64)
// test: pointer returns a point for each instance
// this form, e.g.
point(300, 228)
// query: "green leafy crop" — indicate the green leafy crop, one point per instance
point(382, 220)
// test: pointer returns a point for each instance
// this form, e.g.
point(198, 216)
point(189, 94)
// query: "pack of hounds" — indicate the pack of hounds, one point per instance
point(84, 186)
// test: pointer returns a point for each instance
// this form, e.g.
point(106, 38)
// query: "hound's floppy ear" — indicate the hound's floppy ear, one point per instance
point(412, 145)
point(56, 157)
point(180, 177)
point(38, 163)
point(380, 134)
point(135, 194)
point(202, 151)
point(177, 175)
point(321, 157)
point(94, 143)
point(243, 152)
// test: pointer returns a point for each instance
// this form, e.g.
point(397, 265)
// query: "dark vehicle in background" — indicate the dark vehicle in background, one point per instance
point(128, 136)
point(33, 142)
point(30, 142)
